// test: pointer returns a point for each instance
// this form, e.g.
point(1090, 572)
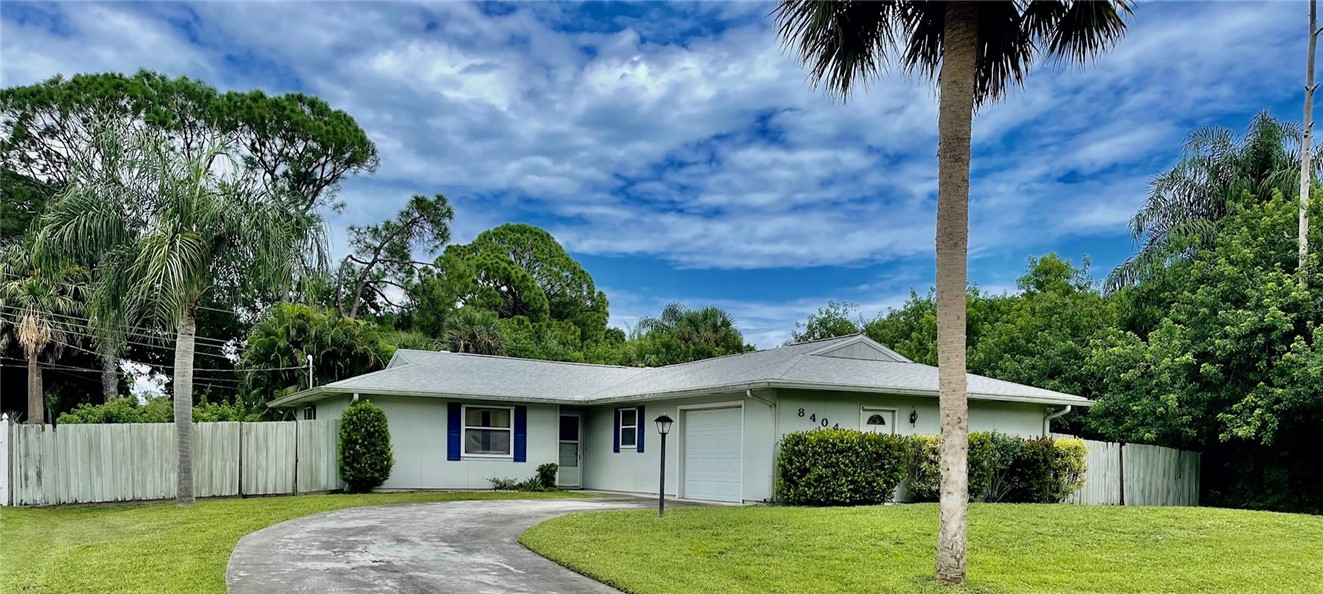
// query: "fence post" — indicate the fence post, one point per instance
point(1120, 463)
point(296, 450)
point(241, 459)
point(4, 459)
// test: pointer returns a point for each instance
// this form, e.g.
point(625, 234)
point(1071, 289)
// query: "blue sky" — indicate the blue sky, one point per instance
point(678, 152)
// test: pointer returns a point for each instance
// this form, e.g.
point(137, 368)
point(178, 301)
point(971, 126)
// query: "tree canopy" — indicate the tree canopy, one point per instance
point(299, 145)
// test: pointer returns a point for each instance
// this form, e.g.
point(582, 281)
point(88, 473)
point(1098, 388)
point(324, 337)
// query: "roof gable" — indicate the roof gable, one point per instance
point(860, 347)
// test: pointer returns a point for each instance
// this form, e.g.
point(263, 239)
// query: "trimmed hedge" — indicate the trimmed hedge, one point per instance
point(847, 467)
point(365, 453)
point(839, 467)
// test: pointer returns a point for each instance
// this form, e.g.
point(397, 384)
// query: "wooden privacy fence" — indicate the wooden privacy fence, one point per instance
point(46, 465)
point(1133, 474)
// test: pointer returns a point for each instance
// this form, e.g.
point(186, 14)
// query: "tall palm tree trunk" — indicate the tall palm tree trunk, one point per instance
point(1306, 145)
point(109, 374)
point(183, 385)
point(36, 404)
point(955, 120)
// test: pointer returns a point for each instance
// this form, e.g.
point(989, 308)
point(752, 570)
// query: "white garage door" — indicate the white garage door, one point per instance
point(712, 454)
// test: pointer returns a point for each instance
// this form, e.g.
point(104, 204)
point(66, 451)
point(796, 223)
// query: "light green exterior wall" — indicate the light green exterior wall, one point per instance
point(418, 435)
point(631, 471)
point(845, 409)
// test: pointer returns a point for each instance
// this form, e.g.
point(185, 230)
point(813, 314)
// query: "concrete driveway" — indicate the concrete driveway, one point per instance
point(461, 546)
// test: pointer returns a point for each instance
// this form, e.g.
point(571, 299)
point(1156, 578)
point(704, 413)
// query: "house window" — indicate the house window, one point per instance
point(487, 431)
point(310, 412)
point(629, 427)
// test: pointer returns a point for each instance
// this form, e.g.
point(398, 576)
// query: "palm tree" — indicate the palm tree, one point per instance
point(976, 50)
point(1216, 170)
point(39, 305)
point(175, 227)
point(473, 330)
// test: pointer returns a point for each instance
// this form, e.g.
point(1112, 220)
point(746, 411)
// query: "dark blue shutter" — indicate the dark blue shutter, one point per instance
point(521, 434)
point(615, 434)
point(453, 413)
point(638, 418)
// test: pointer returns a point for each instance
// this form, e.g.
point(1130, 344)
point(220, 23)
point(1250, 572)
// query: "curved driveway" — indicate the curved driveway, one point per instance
point(461, 546)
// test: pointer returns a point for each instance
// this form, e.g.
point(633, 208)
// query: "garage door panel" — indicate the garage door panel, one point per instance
point(713, 454)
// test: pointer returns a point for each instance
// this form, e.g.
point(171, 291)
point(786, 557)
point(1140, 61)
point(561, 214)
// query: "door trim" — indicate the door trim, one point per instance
point(683, 412)
point(578, 442)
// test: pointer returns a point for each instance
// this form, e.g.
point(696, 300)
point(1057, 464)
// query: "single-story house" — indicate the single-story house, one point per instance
point(457, 420)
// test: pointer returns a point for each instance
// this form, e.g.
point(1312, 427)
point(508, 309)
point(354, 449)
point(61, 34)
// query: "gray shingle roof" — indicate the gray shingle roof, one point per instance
point(850, 363)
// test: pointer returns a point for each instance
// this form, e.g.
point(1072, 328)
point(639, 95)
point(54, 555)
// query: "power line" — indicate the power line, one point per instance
point(138, 331)
point(74, 286)
point(132, 342)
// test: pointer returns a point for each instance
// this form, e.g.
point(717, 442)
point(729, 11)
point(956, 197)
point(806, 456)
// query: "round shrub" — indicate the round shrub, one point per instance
point(839, 467)
point(546, 476)
point(923, 470)
point(365, 453)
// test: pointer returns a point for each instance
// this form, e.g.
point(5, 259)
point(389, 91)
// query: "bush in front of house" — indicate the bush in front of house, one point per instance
point(839, 467)
point(1002, 468)
point(366, 458)
point(544, 480)
point(546, 475)
point(1044, 470)
point(923, 469)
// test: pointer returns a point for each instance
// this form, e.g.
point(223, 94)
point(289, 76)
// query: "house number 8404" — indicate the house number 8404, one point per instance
point(813, 418)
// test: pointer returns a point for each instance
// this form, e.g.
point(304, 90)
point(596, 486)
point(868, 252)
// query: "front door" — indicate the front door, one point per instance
point(570, 474)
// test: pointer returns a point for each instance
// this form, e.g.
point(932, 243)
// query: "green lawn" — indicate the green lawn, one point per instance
point(158, 547)
point(1021, 549)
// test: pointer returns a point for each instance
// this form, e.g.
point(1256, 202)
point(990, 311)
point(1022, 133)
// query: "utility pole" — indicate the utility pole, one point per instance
point(309, 372)
point(1306, 146)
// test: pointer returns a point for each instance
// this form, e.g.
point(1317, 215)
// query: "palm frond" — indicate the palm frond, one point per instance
point(841, 43)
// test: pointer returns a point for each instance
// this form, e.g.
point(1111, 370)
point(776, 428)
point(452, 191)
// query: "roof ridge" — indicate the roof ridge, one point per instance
point(510, 358)
point(817, 340)
point(794, 362)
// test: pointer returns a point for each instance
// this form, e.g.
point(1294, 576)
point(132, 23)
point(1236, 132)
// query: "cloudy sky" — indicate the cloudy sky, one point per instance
point(679, 153)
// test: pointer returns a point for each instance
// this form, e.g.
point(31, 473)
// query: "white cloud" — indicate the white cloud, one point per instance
point(686, 133)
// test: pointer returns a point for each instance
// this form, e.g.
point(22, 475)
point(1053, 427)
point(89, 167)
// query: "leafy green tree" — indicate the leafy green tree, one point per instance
point(381, 255)
point(975, 50)
point(275, 356)
point(520, 270)
point(171, 225)
point(22, 199)
point(1040, 336)
point(1233, 366)
point(1216, 170)
point(297, 145)
point(36, 305)
point(911, 329)
point(831, 320)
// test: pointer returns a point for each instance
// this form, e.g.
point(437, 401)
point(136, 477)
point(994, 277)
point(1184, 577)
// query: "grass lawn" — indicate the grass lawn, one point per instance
point(1021, 549)
point(158, 547)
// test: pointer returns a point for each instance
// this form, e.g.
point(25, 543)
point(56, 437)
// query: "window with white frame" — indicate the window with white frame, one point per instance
point(488, 430)
point(629, 427)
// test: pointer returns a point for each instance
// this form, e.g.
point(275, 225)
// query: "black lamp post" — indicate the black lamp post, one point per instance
point(663, 427)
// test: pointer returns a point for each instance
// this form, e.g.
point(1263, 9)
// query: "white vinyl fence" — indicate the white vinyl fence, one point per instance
point(1132, 474)
point(46, 465)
